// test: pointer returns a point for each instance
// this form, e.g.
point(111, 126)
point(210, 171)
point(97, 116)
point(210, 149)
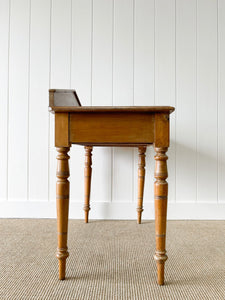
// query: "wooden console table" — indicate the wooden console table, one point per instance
point(138, 126)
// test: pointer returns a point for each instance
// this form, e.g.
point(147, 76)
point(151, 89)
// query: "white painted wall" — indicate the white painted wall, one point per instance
point(114, 52)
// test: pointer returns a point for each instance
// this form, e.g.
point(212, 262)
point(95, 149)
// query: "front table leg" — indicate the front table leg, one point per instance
point(62, 202)
point(161, 192)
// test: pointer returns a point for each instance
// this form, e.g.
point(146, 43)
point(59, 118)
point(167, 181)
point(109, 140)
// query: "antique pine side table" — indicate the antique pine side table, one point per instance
point(138, 126)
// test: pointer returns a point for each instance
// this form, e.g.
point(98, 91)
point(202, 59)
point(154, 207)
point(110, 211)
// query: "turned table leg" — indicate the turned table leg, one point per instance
point(141, 181)
point(161, 192)
point(62, 200)
point(87, 181)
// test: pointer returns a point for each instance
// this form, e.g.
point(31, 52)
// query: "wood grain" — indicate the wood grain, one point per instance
point(62, 202)
point(160, 194)
point(161, 130)
point(142, 109)
point(111, 128)
point(59, 97)
point(119, 129)
point(141, 181)
point(62, 130)
point(87, 181)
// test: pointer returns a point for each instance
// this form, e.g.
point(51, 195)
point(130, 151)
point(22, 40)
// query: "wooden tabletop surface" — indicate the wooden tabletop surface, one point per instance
point(62, 100)
point(144, 109)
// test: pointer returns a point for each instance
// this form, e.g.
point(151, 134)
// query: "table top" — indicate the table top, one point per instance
point(68, 101)
point(108, 109)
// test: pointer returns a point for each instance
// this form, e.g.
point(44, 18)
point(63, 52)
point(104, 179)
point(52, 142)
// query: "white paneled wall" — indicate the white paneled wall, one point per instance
point(113, 52)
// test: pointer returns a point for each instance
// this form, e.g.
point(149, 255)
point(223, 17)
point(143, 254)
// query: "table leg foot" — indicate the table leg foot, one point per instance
point(160, 259)
point(62, 269)
point(62, 255)
point(138, 217)
point(160, 273)
point(86, 217)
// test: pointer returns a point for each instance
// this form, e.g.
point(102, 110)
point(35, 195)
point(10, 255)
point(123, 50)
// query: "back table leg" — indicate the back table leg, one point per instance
point(161, 191)
point(87, 181)
point(141, 181)
point(62, 200)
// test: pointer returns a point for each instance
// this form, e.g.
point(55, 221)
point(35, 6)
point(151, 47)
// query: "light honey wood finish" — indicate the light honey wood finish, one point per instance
point(87, 181)
point(141, 182)
point(160, 195)
point(110, 126)
point(62, 202)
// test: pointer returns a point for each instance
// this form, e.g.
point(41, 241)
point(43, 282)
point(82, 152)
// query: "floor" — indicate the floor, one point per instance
point(111, 260)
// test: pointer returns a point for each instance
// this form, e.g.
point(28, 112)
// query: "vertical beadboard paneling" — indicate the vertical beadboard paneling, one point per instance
point(165, 74)
point(39, 83)
point(207, 100)
point(186, 101)
point(130, 52)
point(102, 92)
point(123, 53)
point(18, 100)
point(122, 189)
point(60, 68)
point(61, 44)
point(144, 91)
point(144, 52)
point(221, 100)
point(81, 70)
point(4, 57)
point(102, 53)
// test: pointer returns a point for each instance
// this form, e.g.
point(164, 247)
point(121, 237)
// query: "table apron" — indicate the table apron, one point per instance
point(111, 128)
